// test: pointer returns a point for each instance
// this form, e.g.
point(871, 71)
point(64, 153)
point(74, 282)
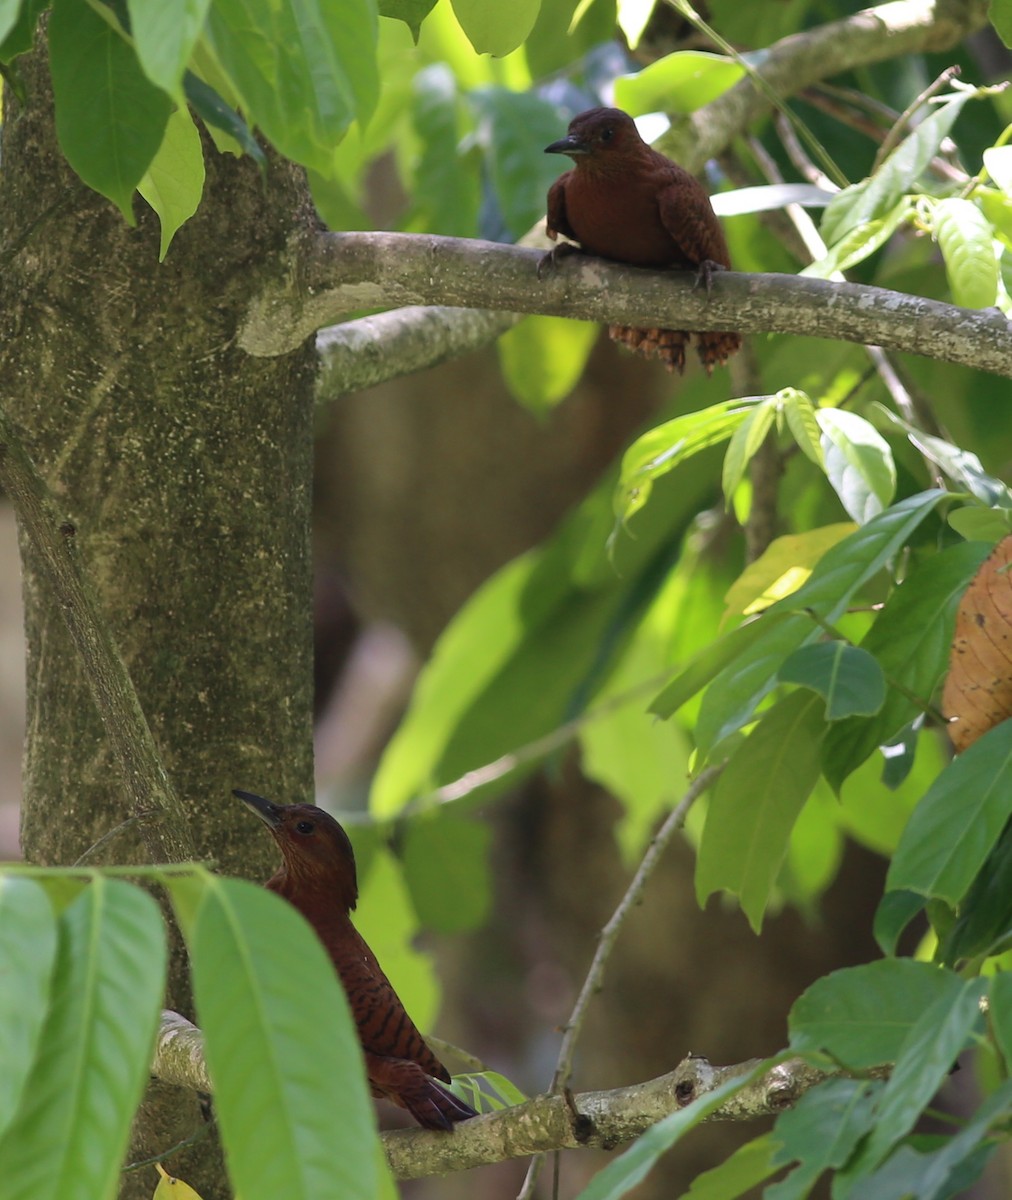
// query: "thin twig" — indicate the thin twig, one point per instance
point(112, 833)
point(895, 135)
point(609, 934)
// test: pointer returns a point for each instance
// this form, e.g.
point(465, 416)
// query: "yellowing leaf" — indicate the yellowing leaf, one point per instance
point(174, 182)
point(781, 569)
point(171, 1188)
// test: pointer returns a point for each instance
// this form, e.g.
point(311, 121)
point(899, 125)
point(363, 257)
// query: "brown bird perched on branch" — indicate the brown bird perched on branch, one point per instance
point(624, 201)
point(317, 875)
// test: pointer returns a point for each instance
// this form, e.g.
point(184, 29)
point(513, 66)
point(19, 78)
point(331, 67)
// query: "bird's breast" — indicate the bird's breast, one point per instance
point(618, 217)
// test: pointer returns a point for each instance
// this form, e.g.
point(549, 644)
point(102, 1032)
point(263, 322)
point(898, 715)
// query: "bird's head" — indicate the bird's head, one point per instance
point(316, 850)
point(599, 136)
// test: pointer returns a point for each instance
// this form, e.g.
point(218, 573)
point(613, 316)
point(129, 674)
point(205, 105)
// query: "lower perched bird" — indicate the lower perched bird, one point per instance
point(624, 201)
point(317, 876)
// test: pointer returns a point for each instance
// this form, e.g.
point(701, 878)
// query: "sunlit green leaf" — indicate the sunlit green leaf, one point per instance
point(294, 1110)
point(164, 36)
point(882, 191)
point(860, 242)
point(745, 443)
point(175, 180)
point(666, 446)
point(677, 83)
point(496, 28)
point(542, 359)
point(303, 69)
point(70, 1133)
point(27, 957)
point(858, 463)
point(964, 236)
point(782, 568)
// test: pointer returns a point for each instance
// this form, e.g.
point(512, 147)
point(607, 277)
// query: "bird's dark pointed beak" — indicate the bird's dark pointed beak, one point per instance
point(568, 145)
point(266, 810)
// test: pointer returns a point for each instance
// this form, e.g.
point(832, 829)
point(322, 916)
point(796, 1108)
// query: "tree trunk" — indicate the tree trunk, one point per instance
point(185, 468)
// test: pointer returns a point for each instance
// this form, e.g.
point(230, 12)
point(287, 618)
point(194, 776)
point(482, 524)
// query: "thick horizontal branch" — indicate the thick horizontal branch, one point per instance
point(597, 1119)
point(368, 270)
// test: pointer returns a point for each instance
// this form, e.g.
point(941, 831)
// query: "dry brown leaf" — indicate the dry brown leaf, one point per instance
point(978, 689)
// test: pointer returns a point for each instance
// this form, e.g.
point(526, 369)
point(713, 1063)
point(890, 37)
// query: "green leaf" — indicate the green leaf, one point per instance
point(487, 1091)
point(894, 913)
point(9, 13)
point(164, 36)
point(110, 119)
point(217, 115)
point(282, 1049)
point(21, 31)
point(745, 443)
point(446, 870)
point(634, 1164)
point(756, 802)
point(514, 128)
point(859, 463)
point(411, 12)
point(733, 695)
point(174, 182)
point(27, 958)
point(708, 663)
point(1000, 13)
point(998, 162)
point(747, 1167)
point(984, 923)
point(861, 242)
point(964, 236)
point(848, 679)
point(542, 359)
point(803, 424)
point(496, 28)
point(946, 1173)
point(677, 83)
point(303, 69)
point(924, 1060)
point(70, 1133)
point(861, 1016)
point(954, 827)
point(882, 191)
point(386, 919)
point(666, 446)
point(911, 639)
point(961, 466)
point(820, 1132)
point(978, 524)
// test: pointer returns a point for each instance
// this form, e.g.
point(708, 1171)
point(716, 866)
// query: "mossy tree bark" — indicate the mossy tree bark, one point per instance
point(185, 468)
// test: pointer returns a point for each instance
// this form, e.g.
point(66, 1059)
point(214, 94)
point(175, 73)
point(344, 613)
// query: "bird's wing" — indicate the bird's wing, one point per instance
point(687, 215)
point(384, 1027)
point(557, 222)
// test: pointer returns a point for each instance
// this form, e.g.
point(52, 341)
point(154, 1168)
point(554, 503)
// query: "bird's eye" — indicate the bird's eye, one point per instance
point(305, 827)
point(607, 133)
